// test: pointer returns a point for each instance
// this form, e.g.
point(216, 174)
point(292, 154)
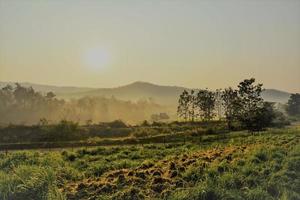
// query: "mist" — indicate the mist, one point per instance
point(22, 105)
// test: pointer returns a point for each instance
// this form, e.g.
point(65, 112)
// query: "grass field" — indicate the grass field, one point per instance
point(237, 165)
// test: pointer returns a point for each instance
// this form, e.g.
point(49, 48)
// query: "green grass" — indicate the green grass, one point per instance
point(238, 165)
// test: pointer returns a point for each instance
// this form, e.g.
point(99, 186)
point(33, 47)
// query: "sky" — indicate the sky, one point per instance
point(197, 44)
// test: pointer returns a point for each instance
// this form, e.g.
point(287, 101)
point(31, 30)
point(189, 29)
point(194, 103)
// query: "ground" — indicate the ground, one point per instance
point(238, 165)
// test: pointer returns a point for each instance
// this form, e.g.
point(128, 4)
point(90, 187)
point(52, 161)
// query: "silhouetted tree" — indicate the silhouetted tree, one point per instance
point(266, 115)
point(19, 104)
point(293, 105)
point(206, 103)
point(50, 95)
point(160, 117)
point(183, 105)
point(251, 103)
point(232, 106)
point(219, 103)
point(192, 102)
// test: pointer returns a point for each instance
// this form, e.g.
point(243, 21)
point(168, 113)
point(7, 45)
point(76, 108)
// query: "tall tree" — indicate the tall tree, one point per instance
point(192, 99)
point(232, 106)
point(266, 115)
point(219, 104)
point(183, 105)
point(251, 101)
point(293, 105)
point(206, 104)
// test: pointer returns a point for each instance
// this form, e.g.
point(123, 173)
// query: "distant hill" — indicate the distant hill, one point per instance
point(276, 95)
point(138, 90)
point(59, 90)
point(166, 95)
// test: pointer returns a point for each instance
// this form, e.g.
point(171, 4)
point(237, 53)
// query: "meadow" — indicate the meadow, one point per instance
point(194, 165)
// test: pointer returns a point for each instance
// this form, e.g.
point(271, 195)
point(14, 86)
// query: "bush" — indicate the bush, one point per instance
point(117, 124)
point(144, 132)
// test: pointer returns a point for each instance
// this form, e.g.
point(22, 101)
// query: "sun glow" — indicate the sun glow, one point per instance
point(96, 58)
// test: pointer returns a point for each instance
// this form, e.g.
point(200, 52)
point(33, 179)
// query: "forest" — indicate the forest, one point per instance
point(21, 105)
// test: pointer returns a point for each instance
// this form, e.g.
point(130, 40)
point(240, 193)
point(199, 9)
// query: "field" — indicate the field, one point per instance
point(236, 165)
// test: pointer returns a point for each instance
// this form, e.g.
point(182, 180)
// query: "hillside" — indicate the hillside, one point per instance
point(58, 90)
point(166, 95)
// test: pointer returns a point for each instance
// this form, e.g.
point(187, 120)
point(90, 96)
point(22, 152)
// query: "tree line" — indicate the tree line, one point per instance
point(22, 105)
point(243, 106)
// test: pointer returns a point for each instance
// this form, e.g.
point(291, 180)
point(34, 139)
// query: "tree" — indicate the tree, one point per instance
point(89, 122)
point(192, 101)
point(7, 88)
point(160, 117)
point(232, 105)
point(66, 131)
point(43, 122)
point(266, 115)
point(50, 95)
point(219, 104)
point(251, 103)
point(293, 105)
point(262, 117)
point(206, 104)
point(6, 99)
point(183, 105)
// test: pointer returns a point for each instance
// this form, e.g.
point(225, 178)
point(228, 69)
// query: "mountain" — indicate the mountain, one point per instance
point(58, 90)
point(166, 95)
point(273, 95)
point(138, 90)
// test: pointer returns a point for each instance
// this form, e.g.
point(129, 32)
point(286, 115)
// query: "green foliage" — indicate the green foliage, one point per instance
point(34, 175)
point(29, 182)
point(116, 124)
point(183, 105)
point(206, 104)
point(194, 105)
point(293, 105)
point(145, 132)
point(65, 131)
point(232, 105)
point(240, 166)
point(242, 107)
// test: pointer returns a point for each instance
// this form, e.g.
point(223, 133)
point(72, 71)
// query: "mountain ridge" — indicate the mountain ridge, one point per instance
point(162, 94)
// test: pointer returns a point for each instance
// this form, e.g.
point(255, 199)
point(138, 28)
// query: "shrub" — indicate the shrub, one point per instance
point(117, 124)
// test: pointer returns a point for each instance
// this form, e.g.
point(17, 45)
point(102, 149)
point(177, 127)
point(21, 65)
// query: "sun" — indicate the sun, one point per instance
point(96, 58)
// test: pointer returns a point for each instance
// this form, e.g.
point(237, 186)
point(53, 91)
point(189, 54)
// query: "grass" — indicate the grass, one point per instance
point(238, 165)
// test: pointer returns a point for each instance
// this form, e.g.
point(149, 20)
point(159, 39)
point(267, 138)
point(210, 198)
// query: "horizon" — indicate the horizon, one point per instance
point(128, 84)
point(190, 44)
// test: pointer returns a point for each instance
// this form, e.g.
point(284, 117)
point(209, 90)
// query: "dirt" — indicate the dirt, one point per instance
point(153, 180)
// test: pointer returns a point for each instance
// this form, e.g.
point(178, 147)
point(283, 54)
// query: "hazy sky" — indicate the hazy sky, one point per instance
point(213, 43)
